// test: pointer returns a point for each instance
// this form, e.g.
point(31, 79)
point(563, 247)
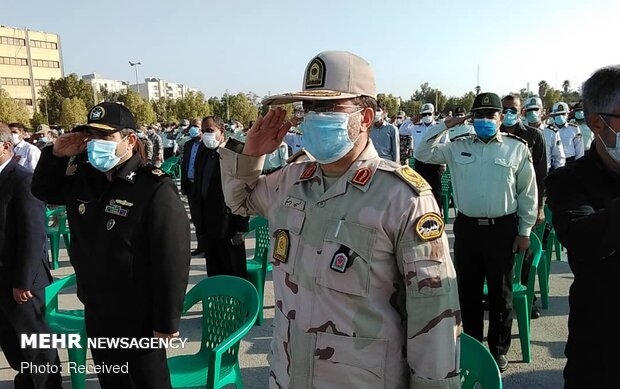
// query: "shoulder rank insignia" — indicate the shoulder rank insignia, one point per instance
point(362, 176)
point(283, 242)
point(513, 136)
point(429, 226)
point(131, 175)
point(308, 171)
point(462, 136)
point(158, 172)
point(414, 180)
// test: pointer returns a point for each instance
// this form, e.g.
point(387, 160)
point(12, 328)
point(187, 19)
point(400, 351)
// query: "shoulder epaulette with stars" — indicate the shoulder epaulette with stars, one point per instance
point(552, 128)
point(461, 137)
point(407, 174)
point(154, 171)
point(515, 137)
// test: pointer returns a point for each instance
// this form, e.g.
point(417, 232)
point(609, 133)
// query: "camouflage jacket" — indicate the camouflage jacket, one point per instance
point(362, 301)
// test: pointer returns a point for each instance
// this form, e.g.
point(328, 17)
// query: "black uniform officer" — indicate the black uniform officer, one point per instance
point(130, 240)
point(585, 202)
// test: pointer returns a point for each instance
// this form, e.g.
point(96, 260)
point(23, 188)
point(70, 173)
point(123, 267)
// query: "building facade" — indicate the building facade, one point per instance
point(99, 84)
point(154, 88)
point(28, 60)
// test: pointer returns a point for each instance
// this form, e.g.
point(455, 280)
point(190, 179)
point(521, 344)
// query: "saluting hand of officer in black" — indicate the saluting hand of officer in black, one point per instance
point(68, 145)
point(267, 133)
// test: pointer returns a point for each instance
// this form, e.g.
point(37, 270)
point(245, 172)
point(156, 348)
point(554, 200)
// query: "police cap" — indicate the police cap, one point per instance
point(109, 118)
point(489, 101)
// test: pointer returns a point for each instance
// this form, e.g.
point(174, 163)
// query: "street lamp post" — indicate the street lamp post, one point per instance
point(135, 65)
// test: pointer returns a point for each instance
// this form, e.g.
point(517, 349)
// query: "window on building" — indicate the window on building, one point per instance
point(7, 40)
point(14, 81)
point(13, 61)
point(25, 101)
point(40, 82)
point(45, 64)
point(43, 44)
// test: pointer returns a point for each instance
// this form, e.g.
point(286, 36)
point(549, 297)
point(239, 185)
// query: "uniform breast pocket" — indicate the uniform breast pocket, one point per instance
point(286, 237)
point(504, 169)
point(346, 257)
point(465, 162)
point(426, 272)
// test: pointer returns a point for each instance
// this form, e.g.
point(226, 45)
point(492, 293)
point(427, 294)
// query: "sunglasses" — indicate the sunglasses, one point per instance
point(511, 110)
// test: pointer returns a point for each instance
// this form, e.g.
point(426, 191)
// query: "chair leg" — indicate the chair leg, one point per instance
point(522, 312)
point(445, 200)
point(78, 356)
point(54, 248)
point(543, 282)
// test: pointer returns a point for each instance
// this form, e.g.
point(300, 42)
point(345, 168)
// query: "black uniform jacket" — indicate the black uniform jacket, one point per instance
point(23, 257)
point(585, 201)
point(217, 221)
point(130, 238)
point(536, 143)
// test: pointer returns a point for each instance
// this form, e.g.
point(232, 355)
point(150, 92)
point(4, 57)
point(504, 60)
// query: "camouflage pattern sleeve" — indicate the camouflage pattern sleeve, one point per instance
point(432, 302)
point(245, 190)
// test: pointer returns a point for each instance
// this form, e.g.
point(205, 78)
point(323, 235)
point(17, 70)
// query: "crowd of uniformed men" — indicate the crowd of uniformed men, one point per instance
point(366, 293)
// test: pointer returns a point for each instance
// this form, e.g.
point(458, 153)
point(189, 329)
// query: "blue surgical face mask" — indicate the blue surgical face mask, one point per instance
point(579, 115)
point(326, 136)
point(43, 139)
point(194, 132)
point(614, 151)
point(559, 120)
point(510, 119)
point(532, 116)
point(485, 128)
point(102, 154)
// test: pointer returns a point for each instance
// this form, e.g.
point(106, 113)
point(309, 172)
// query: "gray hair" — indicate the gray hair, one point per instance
point(601, 92)
point(5, 133)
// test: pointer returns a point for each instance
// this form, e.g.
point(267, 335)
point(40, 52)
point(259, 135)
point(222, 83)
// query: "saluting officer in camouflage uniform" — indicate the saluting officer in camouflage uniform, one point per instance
point(365, 289)
point(495, 193)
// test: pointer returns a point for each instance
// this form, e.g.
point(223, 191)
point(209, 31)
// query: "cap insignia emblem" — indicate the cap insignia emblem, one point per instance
point(315, 75)
point(96, 113)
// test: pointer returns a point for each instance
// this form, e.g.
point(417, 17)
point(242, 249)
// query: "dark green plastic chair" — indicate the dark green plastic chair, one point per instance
point(67, 322)
point(258, 265)
point(523, 295)
point(229, 310)
point(57, 227)
point(172, 166)
point(553, 245)
point(446, 194)
point(478, 368)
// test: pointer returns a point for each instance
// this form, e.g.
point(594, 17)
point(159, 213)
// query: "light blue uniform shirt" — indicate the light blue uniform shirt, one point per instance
point(385, 139)
point(191, 171)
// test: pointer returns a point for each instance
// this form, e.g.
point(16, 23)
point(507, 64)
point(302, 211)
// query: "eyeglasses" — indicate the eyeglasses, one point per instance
point(484, 114)
point(511, 110)
point(205, 130)
point(426, 114)
point(323, 107)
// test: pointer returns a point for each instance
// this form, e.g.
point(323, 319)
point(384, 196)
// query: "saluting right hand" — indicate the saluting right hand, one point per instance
point(267, 133)
point(451, 121)
point(68, 145)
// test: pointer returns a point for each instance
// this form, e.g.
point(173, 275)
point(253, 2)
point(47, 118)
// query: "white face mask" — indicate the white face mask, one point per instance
point(210, 140)
point(16, 138)
point(614, 151)
point(427, 119)
point(378, 116)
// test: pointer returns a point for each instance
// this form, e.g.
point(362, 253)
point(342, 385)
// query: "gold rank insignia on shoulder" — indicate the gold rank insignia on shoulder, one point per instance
point(283, 242)
point(414, 180)
point(308, 172)
point(429, 226)
point(158, 172)
point(362, 176)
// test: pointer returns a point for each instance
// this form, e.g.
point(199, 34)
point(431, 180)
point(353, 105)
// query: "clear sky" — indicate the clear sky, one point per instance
point(263, 47)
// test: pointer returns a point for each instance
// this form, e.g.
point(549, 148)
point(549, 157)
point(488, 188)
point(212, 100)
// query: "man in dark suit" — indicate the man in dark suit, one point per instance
point(24, 272)
point(221, 231)
point(188, 179)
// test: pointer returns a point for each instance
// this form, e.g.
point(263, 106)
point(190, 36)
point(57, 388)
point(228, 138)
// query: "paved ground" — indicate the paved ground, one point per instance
point(549, 335)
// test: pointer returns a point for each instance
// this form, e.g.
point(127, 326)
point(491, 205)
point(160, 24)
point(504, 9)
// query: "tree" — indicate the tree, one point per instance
point(105, 95)
point(551, 97)
point(566, 86)
point(37, 119)
point(542, 88)
point(218, 107)
point(192, 105)
point(58, 90)
point(391, 104)
point(73, 111)
point(165, 110)
point(242, 109)
point(411, 107)
point(141, 109)
point(12, 111)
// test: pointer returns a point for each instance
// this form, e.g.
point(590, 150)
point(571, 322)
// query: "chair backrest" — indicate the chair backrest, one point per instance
point(478, 368)
point(169, 164)
point(53, 216)
point(229, 307)
point(260, 226)
point(52, 291)
point(536, 250)
point(446, 182)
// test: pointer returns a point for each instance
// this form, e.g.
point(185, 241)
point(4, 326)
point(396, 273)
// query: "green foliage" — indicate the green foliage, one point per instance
point(411, 107)
point(12, 111)
point(542, 88)
point(218, 106)
point(73, 111)
point(37, 119)
point(391, 104)
point(465, 101)
point(551, 97)
point(165, 110)
point(141, 109)
point(192, 105)
point(58, 90)
point(242, 109)
point(114, 97)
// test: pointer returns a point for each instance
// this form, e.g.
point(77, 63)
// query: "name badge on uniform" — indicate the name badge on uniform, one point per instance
point(465, 154)
point(283, 242)
point(116, 210)
point(341, 260)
